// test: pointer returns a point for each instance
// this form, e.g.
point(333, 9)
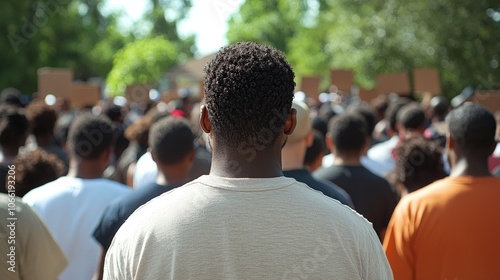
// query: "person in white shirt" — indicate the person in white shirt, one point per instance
point(406, 119)
point(245, 220)
point(71, 206)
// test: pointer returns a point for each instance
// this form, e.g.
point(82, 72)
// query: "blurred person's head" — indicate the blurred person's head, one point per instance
point(315, 152)
point(392, 112)
point(36, 168)
point(380, 105)
point(326, 112)
point(114, 113)
point(348, 138)
point(61, 129)
point(410, 119)
point(419, 163)
point(42, 119)
point(11, 96)
point(90, 143)
point(138, 131)
point(439, 107)
point(14, 128)
point(248, 115)
point(171, 143)
point(471, 140)
point(368, 114)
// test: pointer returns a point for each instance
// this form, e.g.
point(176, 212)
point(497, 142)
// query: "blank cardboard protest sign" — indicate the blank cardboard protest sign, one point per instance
point(489, 99)
point(394, 82)
point(368, 94)
point(310, 86)
point(55, 81)
point(83, 95)
point(342, 78)
point(138, 93)
point(169, 95)
point(426, 80)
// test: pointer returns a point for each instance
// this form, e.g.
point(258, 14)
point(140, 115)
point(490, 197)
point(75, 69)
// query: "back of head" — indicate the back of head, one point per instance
point(13, 126)
point(380, 105)
point(349, 132)
point(11, 96)
point(368, 114)
point(90, 137)
point(473, 128)
point(439, 106)
point(114, 113)
point(304, 124)
point(36, 168)
point(42, 118)
point(419, 163)
point(411, 117)
point(316, 149)
point(171, 140)
point(248, 94)
point(392, 111)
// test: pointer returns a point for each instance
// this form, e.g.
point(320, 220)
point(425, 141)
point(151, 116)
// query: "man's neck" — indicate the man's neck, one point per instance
point(470, 167)
point(347, 159)
point(44, 140)
point(85, 169)
point(173, 176)
point(235, 165)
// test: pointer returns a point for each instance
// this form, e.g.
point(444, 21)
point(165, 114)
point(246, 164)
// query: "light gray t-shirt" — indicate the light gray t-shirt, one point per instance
point(223, 228)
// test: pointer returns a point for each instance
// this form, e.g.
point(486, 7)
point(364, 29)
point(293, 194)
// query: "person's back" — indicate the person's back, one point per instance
point(235, 228)
point(372, 196)
point(449, 229)
point(245, 220)
point(71, 206)
point(28, 249)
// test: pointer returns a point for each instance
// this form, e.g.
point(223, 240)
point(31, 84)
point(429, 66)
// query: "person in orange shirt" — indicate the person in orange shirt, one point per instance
point(451, 228)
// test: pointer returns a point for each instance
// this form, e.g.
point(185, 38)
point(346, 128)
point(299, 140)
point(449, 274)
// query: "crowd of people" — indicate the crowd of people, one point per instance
point(253, 182)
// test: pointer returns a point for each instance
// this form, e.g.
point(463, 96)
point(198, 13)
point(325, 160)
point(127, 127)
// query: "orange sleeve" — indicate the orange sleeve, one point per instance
point(398, 243)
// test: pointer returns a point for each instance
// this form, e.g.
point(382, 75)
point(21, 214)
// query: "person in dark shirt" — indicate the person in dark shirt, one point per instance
point(293, 153)
point(171, 145)
point(373, 196)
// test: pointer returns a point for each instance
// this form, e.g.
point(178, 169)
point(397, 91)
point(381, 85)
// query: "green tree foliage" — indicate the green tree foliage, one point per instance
point(141, 62)
point(55, 33)
point(460, 38)
point(164, 16)
point(75, 34)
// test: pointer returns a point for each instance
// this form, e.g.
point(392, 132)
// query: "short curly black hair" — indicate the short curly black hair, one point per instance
point(42, 118)
point(411, 116)
point(419, 163)
point(36, 168)
point(349, 132)
point(90, 136)
point(248, 94)
point(473, 128)
point(171, 139)
point(13, 126)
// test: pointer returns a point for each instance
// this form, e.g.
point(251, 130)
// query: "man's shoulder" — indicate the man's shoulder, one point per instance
point(46, 191)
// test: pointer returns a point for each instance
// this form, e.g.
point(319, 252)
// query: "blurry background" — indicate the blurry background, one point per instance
point(124, 43)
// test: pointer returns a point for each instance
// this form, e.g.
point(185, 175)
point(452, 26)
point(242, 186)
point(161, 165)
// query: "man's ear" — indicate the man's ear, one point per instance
point(291, 122)
point(153, 155)
point(450, 142)
point(106, 156)
point(204, 121)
